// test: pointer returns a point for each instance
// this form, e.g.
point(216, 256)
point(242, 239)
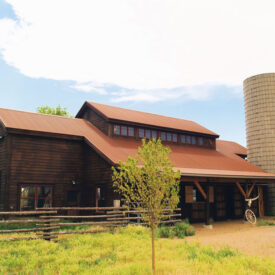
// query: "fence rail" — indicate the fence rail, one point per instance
point(46, 222)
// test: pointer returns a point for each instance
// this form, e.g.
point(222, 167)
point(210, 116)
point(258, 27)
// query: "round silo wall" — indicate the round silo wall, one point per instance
point(259, 101)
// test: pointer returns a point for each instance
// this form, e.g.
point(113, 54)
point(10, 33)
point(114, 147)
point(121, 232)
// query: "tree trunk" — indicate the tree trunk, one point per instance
point(153, 251)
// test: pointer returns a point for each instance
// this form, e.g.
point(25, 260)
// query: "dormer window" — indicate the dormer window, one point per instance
point(175, 138)
point(122, 130)
point(141, 133)
point(169, 137)
point(147, 133)
point(183, 138)
point(200, 141)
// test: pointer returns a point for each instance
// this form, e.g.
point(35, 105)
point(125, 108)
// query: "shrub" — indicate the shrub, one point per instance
point(184, 229)
point(166, 231)
point(135, 231)
point(180, 230)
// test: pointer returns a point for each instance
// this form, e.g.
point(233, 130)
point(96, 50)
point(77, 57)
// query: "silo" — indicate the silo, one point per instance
point(259, 101)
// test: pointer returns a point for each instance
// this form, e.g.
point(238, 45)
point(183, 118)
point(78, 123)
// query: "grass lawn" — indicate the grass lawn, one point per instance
point(125, 252)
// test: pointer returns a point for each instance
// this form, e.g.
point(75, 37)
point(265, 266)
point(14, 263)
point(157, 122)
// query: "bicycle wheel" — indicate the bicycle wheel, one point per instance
point(250, 216)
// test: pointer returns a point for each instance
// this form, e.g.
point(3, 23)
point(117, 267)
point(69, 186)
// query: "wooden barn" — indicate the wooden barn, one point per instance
point(49, 160)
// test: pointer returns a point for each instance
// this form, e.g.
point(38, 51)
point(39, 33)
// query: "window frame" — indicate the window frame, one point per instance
point(99, 197)
point(120, 130)
point(36, 197)
point(174, 135)
point(200, 141)
point(141, 130)
point(144, 130)
point(183, 139)
point(188, 139)
point(169, 134)
point(163, 133)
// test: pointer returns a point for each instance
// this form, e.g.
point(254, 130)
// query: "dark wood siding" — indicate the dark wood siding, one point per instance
point(97, 120)
point(3, 166)
point(40, 160)
point(97, 173)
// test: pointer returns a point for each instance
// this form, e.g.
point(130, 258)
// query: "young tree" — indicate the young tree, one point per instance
point(150, 180)
point(58, 111)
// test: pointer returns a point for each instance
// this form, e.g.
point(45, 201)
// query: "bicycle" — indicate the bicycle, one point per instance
point(249, 214)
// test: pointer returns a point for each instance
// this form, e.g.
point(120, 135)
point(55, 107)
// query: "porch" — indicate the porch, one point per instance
point(207, 200)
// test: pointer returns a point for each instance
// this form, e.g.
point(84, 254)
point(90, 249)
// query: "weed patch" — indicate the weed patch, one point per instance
point(265, 223)
point(126, 251)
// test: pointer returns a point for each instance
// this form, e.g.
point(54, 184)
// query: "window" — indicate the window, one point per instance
point(130, 131)
point(117, 130)
point(147, 133)
point(99, 198)
point(168, 137)
point(197, 196)
point(188, 139)
point(33, 196)
point(193, 140)
point(175, 138)
point(194, 195)
point(200, 141)
point(163, 136)
point(141, 133)
point(122, 130)
point(183, 138)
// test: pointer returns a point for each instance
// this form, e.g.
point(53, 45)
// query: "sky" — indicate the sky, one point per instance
point(179, 58)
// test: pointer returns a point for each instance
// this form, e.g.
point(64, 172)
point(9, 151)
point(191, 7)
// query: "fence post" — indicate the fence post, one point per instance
point(138, 214)
point(46, 225)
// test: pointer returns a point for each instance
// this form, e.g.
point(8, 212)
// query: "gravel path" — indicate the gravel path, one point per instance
point(249, 239)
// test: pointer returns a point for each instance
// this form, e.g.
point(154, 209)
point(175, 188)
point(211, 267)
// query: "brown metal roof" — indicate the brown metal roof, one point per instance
point(190, 160)
point(230, 147)
point(127, 115)
point(40, 122)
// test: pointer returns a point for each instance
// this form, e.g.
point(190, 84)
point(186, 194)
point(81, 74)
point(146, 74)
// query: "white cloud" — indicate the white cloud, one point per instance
point(148, 96)
point(200, 92)
point(89, 88)
point(141, 45)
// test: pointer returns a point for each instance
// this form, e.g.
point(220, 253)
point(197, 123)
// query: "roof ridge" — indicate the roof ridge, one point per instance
point(92, 102)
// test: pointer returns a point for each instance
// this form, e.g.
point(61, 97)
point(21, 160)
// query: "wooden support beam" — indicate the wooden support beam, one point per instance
point(251, 189)
point(207, 207)
point(200, 189)
point(240, 188)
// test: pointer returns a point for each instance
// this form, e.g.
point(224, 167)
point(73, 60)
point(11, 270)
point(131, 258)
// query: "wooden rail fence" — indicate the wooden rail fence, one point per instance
point(49, 221)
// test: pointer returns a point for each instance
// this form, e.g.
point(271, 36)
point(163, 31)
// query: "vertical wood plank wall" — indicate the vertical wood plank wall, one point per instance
point(96, 120)
point(55, 162)
point(41, 160)
point(97, 173)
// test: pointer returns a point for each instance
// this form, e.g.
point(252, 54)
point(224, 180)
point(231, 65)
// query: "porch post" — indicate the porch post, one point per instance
point(207, 206)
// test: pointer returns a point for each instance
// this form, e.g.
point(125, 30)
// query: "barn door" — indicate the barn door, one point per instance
point(220, 203)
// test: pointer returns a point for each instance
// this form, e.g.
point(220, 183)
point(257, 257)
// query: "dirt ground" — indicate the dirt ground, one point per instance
point(247, 238)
